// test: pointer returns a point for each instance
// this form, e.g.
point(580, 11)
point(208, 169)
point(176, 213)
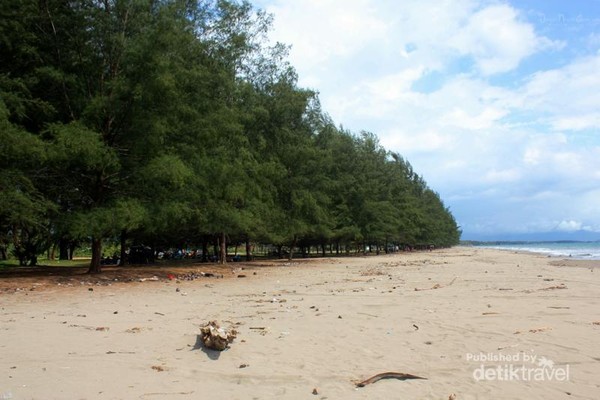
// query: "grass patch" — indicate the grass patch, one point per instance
point(43, 262)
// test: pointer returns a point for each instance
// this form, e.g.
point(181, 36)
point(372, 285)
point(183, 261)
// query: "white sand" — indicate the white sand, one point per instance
point(328, 323)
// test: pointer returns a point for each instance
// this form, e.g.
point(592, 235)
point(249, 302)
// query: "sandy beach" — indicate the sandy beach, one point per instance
point(464, 318)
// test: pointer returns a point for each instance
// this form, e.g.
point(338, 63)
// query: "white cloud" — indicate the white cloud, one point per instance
point(576, 123)
point(482, 120)
point(427, 141)
point(567, 96)
point(321, 30)
point(569, 226)
point(395, 86)
point(496, 39)
point(503, 176)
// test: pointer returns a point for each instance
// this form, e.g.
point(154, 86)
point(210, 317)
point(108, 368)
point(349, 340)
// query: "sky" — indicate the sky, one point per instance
point(495, 103)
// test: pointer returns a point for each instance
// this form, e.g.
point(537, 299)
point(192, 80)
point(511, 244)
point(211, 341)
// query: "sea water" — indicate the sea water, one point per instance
point(566, 249)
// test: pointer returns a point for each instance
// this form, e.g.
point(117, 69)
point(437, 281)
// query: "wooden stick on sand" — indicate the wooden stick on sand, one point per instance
point(388, 375)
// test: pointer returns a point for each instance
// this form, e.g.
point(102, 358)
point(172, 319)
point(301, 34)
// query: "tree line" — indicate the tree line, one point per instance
point(163, 122)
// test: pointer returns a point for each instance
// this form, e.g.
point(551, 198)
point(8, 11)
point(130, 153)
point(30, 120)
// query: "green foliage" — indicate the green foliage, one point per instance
point(24, 211)
point(171, 122)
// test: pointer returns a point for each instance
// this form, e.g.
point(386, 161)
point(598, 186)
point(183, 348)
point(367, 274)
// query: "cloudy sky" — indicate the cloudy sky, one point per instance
point(495, 103)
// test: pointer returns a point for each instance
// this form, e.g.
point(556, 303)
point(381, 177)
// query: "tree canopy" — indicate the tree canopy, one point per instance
point(170, 122)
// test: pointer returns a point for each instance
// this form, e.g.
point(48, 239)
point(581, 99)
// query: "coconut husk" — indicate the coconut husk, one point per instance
point(215, 337)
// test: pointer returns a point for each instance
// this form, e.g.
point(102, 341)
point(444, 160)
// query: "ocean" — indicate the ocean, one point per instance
point(562, 249)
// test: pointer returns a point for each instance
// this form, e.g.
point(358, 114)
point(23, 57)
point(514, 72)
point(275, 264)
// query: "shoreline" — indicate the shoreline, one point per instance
point(550, 255)
point(317, 326)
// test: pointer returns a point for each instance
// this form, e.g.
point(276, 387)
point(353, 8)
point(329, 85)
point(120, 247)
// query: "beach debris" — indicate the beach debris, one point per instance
point(154, 278)
point(543, 329)
point(416, 327)
point(388, 375)
point(135, 329)
point(263, 330)
point(559, 307)
point(241, 276)
point(536, 330)
point(437, 286)
point(596, 323)
point(490, 313)
point(368, 315)
point(102, 328)
point(452, 397)
point(244, 365)
point(315, 391)
point(215, 337)
point(158, 368)
point(372, 272)
point(505, 289)
point(510, 346)
point(559, 286)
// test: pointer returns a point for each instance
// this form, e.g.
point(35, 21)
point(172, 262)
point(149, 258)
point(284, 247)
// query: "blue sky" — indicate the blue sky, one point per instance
point(496, 104)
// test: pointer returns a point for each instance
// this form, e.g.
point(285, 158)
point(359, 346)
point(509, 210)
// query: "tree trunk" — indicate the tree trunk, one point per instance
point(223, 243)
point(72, 246)
point(3, 255)
point(323, 252)
point(63, 252)
point(248, 250)
point(123, 255)
point(204, 249)
point(52, 252)
point(292, 248)
point(216, 247)
point(95, 267)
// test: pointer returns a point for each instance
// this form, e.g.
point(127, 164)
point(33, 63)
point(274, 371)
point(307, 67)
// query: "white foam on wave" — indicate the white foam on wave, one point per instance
point(558, 250)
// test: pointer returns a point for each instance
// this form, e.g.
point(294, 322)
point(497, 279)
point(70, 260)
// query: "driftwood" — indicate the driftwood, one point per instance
point(388, 375)
point(215, 337)
point(559, 286)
